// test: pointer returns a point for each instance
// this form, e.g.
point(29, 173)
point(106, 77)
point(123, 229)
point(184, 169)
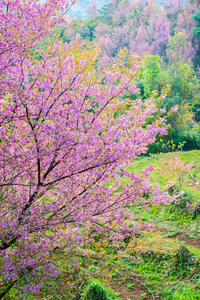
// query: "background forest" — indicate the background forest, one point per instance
point(168, 34)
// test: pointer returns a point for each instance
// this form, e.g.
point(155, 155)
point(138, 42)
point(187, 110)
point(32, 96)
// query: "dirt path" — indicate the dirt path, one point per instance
point(132, 290)
point(182, 236)
point(194, 242)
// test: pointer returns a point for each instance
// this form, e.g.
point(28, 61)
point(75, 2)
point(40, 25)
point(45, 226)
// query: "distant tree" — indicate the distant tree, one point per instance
point(106, 13)
point(139, 43)
point(196, 33)
point(150, 73)
point(160, 38)
point(92, 10)
point(179, 48)
point(107, 45)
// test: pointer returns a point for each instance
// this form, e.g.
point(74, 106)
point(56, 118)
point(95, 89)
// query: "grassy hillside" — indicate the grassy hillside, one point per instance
point(168, 255)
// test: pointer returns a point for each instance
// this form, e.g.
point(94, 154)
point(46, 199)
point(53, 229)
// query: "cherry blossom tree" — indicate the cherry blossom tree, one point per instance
point(92, 10)
point(161, 36)
point(140, 43)
point(65, 140)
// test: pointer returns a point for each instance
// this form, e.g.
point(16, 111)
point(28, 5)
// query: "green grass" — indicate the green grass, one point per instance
point(163, 176)
point(182, 292)
point(171, 234)
point(95, 290)
point(195, 251)
point(175, 215)
point(168, 274)
point(164, 277)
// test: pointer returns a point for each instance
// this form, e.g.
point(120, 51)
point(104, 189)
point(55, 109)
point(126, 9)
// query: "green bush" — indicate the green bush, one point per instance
point(189, 140)
point(184, 293)
point(95, 290)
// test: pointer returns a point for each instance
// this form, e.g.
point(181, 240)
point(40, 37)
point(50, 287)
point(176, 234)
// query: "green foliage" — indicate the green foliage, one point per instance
point(186, 140)
point(85, 28)
point(143, 296)
point(184, 258)
point(183, 81)
point(178, 48)
point(171, 234)
point(106, 13)
point(178, 211)
point(163, 272)
point(196, 18)
point(182, 293)
point(172, 275)
point(172, 213)
point(196, 32)
point(186, 198)
point(182, 91)
point(88, 28)
point(150, 73)
point(95, 290)
point(131, 286)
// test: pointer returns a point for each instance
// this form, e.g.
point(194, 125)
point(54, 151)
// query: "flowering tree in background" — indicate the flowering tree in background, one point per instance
point(179, 48)
point(161, 36)
point(139, 27)
point(139, 43)
point(92, 10)
point(65, 139)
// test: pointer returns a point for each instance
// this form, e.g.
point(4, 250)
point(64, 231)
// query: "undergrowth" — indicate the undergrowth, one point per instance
point(171, 275)
point(95, 290)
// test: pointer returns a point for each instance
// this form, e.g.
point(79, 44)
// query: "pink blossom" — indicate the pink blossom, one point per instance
point(174, 108)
